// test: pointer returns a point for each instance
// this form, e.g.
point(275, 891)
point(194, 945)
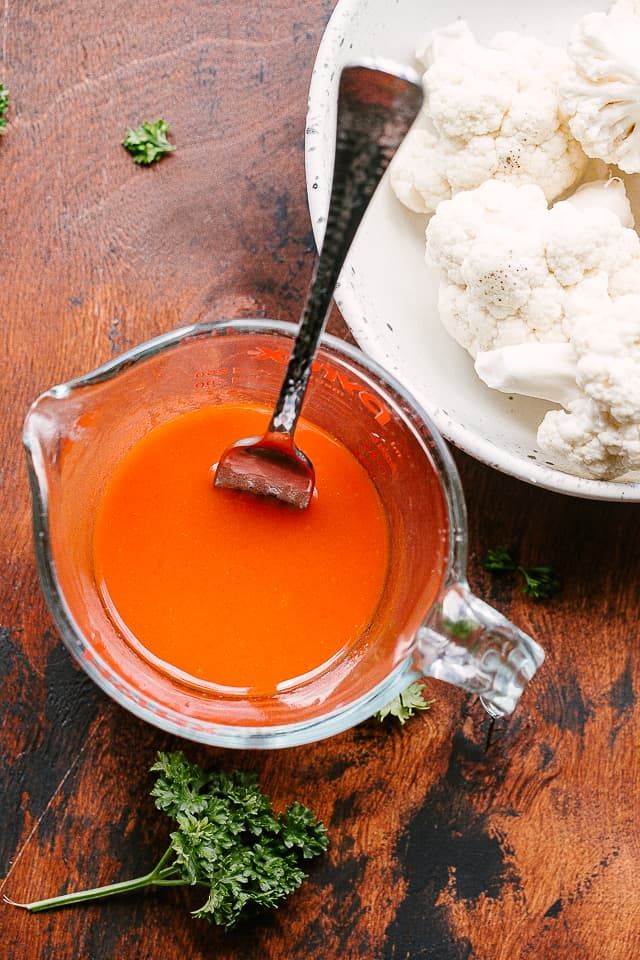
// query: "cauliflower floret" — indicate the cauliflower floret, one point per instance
point(595, 376)
point(589, 442)
point(601, 91)
point(605, 334)
point(577, 244)
point(413, 179)
point(502, 268)
point(496, 114)
point(508, 264)
point(599, 434)
point(470, 88)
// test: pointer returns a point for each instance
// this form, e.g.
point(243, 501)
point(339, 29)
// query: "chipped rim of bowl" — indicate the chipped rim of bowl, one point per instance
point(322, 92)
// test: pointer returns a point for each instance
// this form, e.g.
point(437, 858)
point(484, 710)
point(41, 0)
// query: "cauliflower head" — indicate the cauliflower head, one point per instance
point(496, 114)
point(601, 91)
point(598, 435)
point(508, 265)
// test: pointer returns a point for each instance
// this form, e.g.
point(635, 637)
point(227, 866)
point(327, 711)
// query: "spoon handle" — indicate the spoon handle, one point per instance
point(376, 107)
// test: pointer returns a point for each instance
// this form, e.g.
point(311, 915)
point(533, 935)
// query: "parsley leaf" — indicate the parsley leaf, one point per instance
point(4, 104)
point(500, 561)
point(540, 583)
point(298, 831)
point(228, 840)
point(148, 142)
point(406, 704)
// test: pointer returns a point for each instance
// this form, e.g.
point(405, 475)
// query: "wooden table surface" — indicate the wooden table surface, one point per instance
point(438, 849)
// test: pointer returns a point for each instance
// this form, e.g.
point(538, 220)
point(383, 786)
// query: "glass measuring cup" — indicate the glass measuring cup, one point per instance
point(427, 620)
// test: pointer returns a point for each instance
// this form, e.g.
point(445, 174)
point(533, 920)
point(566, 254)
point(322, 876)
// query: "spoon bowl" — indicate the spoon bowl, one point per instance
point(269, 466)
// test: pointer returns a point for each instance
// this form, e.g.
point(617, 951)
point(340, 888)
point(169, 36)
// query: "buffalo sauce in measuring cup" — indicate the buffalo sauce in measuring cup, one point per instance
point(228, 590)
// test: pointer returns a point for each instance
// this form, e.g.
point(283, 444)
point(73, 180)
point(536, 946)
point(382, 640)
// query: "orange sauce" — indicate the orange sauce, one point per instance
point(228, 589)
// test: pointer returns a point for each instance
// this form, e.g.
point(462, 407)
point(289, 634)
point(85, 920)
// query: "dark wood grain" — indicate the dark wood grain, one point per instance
point(438, 850)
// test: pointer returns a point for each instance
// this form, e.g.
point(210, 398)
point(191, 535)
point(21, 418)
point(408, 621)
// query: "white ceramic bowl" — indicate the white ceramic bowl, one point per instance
point(387, 295)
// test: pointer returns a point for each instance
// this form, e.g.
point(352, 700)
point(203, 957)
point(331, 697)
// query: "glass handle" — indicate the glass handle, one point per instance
point(466, 642)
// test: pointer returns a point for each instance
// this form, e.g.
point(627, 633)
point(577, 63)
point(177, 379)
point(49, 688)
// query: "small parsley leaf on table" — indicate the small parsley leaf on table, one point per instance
point(500, 561)
point(406, 704)
point(540, 583)
point(227, 840)
point(148, 143)
point(4, 105)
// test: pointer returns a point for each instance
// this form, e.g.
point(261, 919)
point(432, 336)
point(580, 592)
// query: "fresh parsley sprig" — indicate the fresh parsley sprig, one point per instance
point(540, 583)
point(406, 704)
point(4, 105)
point(148, 143)
point(228, 840)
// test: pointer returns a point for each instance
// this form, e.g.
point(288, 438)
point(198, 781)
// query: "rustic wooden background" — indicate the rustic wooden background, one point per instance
point(438, 850)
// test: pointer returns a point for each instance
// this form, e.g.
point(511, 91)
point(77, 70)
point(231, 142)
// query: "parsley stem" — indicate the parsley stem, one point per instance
point(158, 877)
point(163, 859)
point(80, 896)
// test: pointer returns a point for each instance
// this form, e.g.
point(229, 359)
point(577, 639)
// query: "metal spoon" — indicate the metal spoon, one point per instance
point(377, 104)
